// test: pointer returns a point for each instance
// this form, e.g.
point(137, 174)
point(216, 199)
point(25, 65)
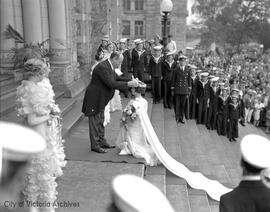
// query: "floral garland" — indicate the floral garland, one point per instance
point(129, 115)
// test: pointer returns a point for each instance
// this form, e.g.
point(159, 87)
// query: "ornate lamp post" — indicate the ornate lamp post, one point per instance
point(165, 9)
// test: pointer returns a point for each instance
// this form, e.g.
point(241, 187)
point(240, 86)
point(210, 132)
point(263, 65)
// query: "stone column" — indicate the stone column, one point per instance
point(7, 17)
point(32, 21)
point(65, 73)
point(58, 32)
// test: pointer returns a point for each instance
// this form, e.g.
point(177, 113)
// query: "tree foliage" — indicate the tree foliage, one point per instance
point(234, 21)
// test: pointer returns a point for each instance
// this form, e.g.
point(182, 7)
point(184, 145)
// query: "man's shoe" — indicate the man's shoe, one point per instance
point(99, 150)
point(182, 121)
point(107, 146)
point(234, 139)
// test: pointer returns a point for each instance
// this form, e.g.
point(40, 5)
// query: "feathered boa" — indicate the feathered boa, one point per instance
point(36, 98)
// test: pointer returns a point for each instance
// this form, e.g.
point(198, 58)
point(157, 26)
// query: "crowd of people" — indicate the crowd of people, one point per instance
point(218, 89)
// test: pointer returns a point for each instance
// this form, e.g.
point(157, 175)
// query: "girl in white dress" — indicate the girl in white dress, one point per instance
point(37, 106)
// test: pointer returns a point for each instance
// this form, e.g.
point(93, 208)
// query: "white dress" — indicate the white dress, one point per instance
point(140, 140)
point(40, 182)
point(132, 140)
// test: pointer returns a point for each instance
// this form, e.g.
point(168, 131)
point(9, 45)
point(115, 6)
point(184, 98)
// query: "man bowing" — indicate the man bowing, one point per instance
point(97, 95)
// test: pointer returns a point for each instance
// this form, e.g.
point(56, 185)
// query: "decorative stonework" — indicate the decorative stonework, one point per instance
point(6, 59)
point(60, 55)
point(62, 76)
point(98, 23)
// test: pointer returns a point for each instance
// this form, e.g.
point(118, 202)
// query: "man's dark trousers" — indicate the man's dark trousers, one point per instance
point(96, 130)
point(180, 103)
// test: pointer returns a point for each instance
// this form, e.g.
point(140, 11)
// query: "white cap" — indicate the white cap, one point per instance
point(132, 193)
point(255, 151)
point(235, 89)
point(182, 56)
point(123, 40)
point(19, 143)
point(199, 71)
point(215, 79)
point(138, 41)
point(170, 53)
point(204, 74)
point(157, 48)
point(192, 66)
point(211, 76)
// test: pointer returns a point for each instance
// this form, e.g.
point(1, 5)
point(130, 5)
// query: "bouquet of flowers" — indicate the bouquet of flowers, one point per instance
point(129, 115)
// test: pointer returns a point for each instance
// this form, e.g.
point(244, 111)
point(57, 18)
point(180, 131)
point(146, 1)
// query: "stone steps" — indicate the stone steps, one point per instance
point(6, 79)
point(177, 190)
point(157, 175)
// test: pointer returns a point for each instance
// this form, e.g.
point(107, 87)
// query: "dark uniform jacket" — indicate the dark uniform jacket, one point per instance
point(101, 88)
point(126, 64)
point(138, 63)
point(249, 196)
point(167, 71)
point(155, 67)
point(223, 106)
point(234, 111)
point(203, 92)
point(181, 81)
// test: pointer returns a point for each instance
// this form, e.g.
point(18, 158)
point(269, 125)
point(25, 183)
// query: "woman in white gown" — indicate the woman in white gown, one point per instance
point(37, 106)
point(138, 138)
point(131, 139)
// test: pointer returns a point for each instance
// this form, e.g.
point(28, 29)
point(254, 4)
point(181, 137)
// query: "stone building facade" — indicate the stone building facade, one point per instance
point(73, 27)
point(142, 19)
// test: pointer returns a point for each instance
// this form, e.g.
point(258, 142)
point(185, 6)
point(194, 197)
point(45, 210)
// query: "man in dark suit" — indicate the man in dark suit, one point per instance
point(98, 93)
point(181, 87)
point(253, 192)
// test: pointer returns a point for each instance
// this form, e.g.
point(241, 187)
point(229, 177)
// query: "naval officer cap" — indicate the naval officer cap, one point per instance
point(19, 143)
point(132, 193)
point(255, 151)
point(211, 76)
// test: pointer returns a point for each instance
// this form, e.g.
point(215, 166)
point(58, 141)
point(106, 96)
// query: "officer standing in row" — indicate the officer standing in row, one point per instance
point(181, 87)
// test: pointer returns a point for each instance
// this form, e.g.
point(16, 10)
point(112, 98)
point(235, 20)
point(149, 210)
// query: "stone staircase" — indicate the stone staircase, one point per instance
point(200, 150)
point(70, 107)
